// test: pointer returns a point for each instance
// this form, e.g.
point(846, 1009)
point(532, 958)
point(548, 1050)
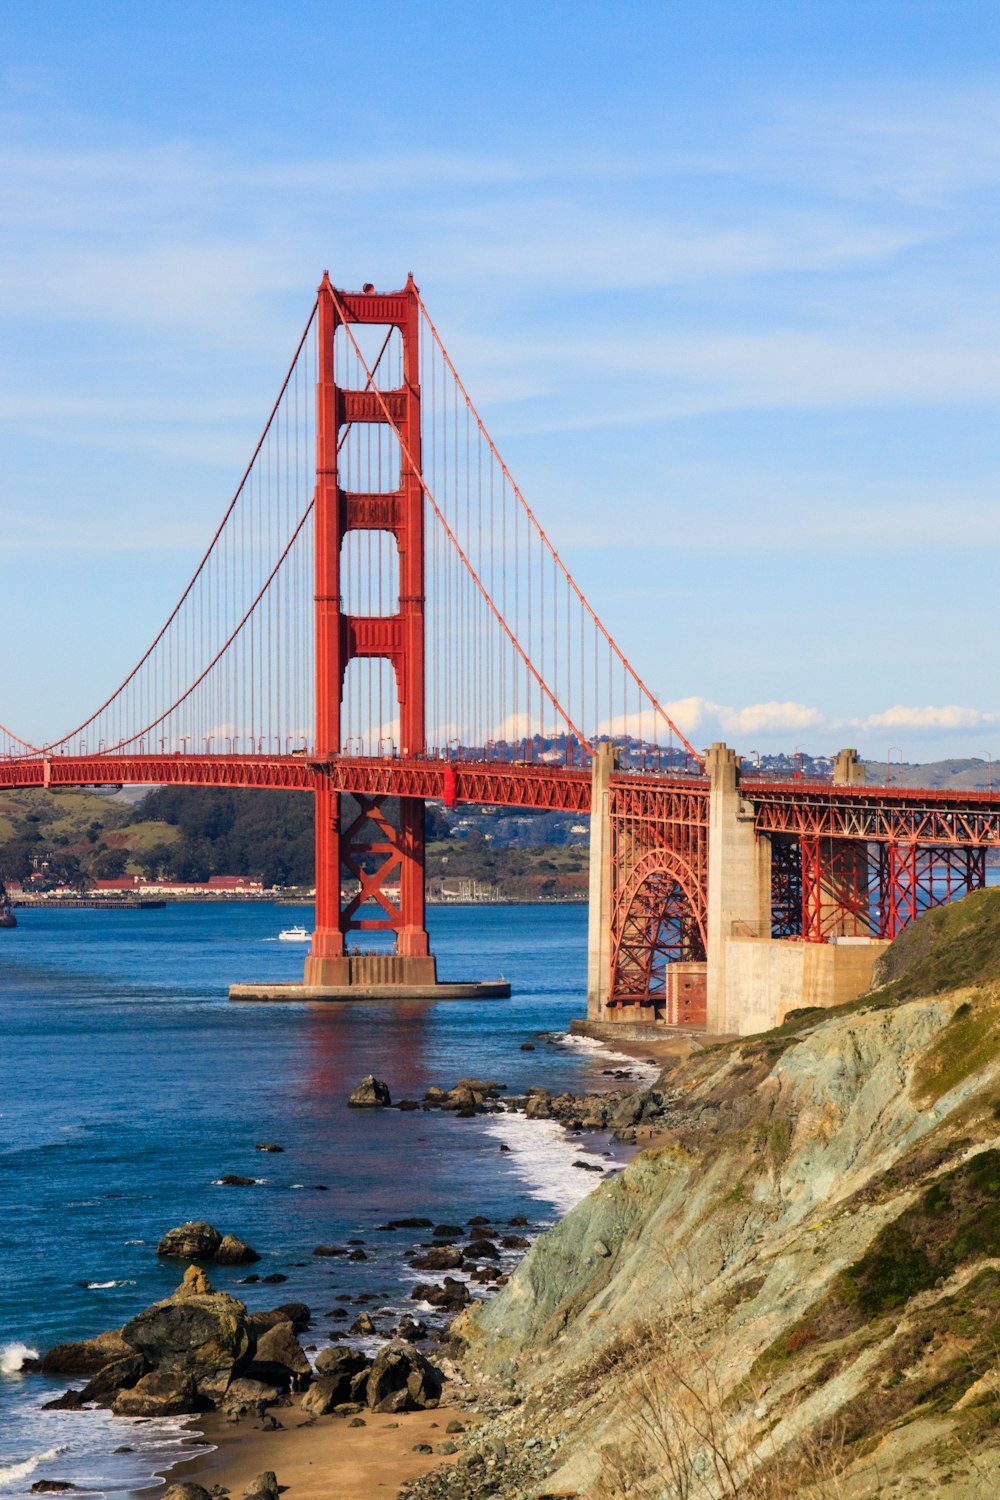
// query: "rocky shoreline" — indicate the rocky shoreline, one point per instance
point(200, 1351)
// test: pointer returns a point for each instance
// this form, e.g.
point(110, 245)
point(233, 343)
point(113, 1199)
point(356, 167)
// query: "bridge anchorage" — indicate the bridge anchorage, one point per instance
point(380, 614)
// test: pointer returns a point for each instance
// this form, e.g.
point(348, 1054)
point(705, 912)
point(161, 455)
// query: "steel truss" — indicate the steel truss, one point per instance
point(659, 883)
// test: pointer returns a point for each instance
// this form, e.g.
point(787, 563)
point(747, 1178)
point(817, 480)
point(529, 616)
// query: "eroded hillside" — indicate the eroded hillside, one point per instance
point(798, 1291)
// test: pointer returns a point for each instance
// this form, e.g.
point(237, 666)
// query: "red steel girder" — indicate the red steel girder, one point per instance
point(898, 815)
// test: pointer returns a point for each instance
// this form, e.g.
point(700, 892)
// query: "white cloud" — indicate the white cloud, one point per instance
point(931, 718)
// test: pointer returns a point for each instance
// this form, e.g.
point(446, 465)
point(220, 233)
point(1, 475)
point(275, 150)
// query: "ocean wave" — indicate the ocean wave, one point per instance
point(12, 1357)
point(543, 1155)
point(598, 1049)
point(12, 1473)
point(100, 1286)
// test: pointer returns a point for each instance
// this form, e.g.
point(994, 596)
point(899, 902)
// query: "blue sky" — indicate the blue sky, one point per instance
point(722, 279)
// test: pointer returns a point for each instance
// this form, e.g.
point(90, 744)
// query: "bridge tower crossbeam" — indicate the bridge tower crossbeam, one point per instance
point(381, 856)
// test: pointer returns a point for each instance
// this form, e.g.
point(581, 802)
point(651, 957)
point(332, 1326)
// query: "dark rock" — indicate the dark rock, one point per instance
point(488, 1086)
point(321, 1397)
point(85, 1357)
point(196, 1240)
point(161, 1393)
point(402, 1379)
point(452, 1294)
point(371, 1093)
point(514, 1242)
point(248, 1280)
point(339, 1367)
point(410, 1330)
point(363, 1325)
point(527, 1046)
point(357, 1422)
point(273, 1278)
point(269, 1146)
point(479, 1219)
point(233, 1179)
point(441, 1230)
point(51, 1486)
point(482, 1250)
point(244, 1396)
point(186, 1492)
point(297, 1313)
point(441, 1258)
point(234, 1252)
point(589, 1166)
point(455, 1426)
point(434, 1095)
point(446, 1447)
point(505, 1148)
point(205, 1336)
point(329, 1250)
point(279, 1356)
point(408, 1104)
point(265, 1484)
point(339, 1312)
point(517, 1220)
point(122, 1374)
point(422, 1448)
point(357, 1255)
point(68, 1401)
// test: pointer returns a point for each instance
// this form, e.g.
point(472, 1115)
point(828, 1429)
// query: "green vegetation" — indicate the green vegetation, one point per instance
point(947, 949)
point(969, 1042)
point(190, 833)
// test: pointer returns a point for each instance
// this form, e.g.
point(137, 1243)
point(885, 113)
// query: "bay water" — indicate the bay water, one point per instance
point(130, 1084)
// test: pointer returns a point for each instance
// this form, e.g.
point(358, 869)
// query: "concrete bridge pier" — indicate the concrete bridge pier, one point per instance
point(599, 907)
point(739, 881)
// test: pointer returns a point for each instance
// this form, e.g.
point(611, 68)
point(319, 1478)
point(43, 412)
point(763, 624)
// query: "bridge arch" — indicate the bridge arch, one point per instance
point(658, 918)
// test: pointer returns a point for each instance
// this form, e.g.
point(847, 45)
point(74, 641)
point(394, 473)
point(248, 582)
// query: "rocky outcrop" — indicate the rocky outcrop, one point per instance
point(199, 1240)
point(233, 1251)
point(402, 1379)
point(371, 1093)
point(815, 1242)
point(84, 1357)
point(121, 1374)
point(161, 1393)
point(279, 1356)
point(196, 1240)
point(204, 1337)
point(245, 1396)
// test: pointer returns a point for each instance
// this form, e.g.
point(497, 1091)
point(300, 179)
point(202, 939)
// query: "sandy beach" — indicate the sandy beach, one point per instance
point(323, 1458)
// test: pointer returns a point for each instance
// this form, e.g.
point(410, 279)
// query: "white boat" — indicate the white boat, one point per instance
point(294, 935)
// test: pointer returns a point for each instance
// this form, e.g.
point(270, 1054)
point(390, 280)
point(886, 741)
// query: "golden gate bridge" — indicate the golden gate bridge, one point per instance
point(379, 612)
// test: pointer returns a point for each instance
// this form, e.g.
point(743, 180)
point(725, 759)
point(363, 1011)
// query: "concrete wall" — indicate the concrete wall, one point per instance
point(766, 979)
point(739, 879)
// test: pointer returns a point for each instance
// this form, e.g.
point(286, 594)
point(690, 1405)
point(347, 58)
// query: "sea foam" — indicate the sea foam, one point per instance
point(12, 1473)
point(12, 1357)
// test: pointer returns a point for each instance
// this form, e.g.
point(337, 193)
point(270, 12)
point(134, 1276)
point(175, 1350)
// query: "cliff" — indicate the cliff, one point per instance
point(797, 1292)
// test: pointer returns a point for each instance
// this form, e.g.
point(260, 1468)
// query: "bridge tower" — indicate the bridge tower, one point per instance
point(372, 849)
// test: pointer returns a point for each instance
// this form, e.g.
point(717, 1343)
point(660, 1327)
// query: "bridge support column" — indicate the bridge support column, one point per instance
point(599, 909)
point(739, 878)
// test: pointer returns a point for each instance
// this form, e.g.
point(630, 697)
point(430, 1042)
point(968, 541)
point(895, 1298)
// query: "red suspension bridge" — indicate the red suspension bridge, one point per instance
point(380, 613)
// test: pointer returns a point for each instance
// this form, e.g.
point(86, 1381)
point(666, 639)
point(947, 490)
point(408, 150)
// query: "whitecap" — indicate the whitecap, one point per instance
point(12, 1357)
point(12, 1473)
point(543, 1155)
point(643, 1070)
point(100, 1286)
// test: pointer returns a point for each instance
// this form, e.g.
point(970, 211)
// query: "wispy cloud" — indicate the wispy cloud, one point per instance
point(779, 725)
